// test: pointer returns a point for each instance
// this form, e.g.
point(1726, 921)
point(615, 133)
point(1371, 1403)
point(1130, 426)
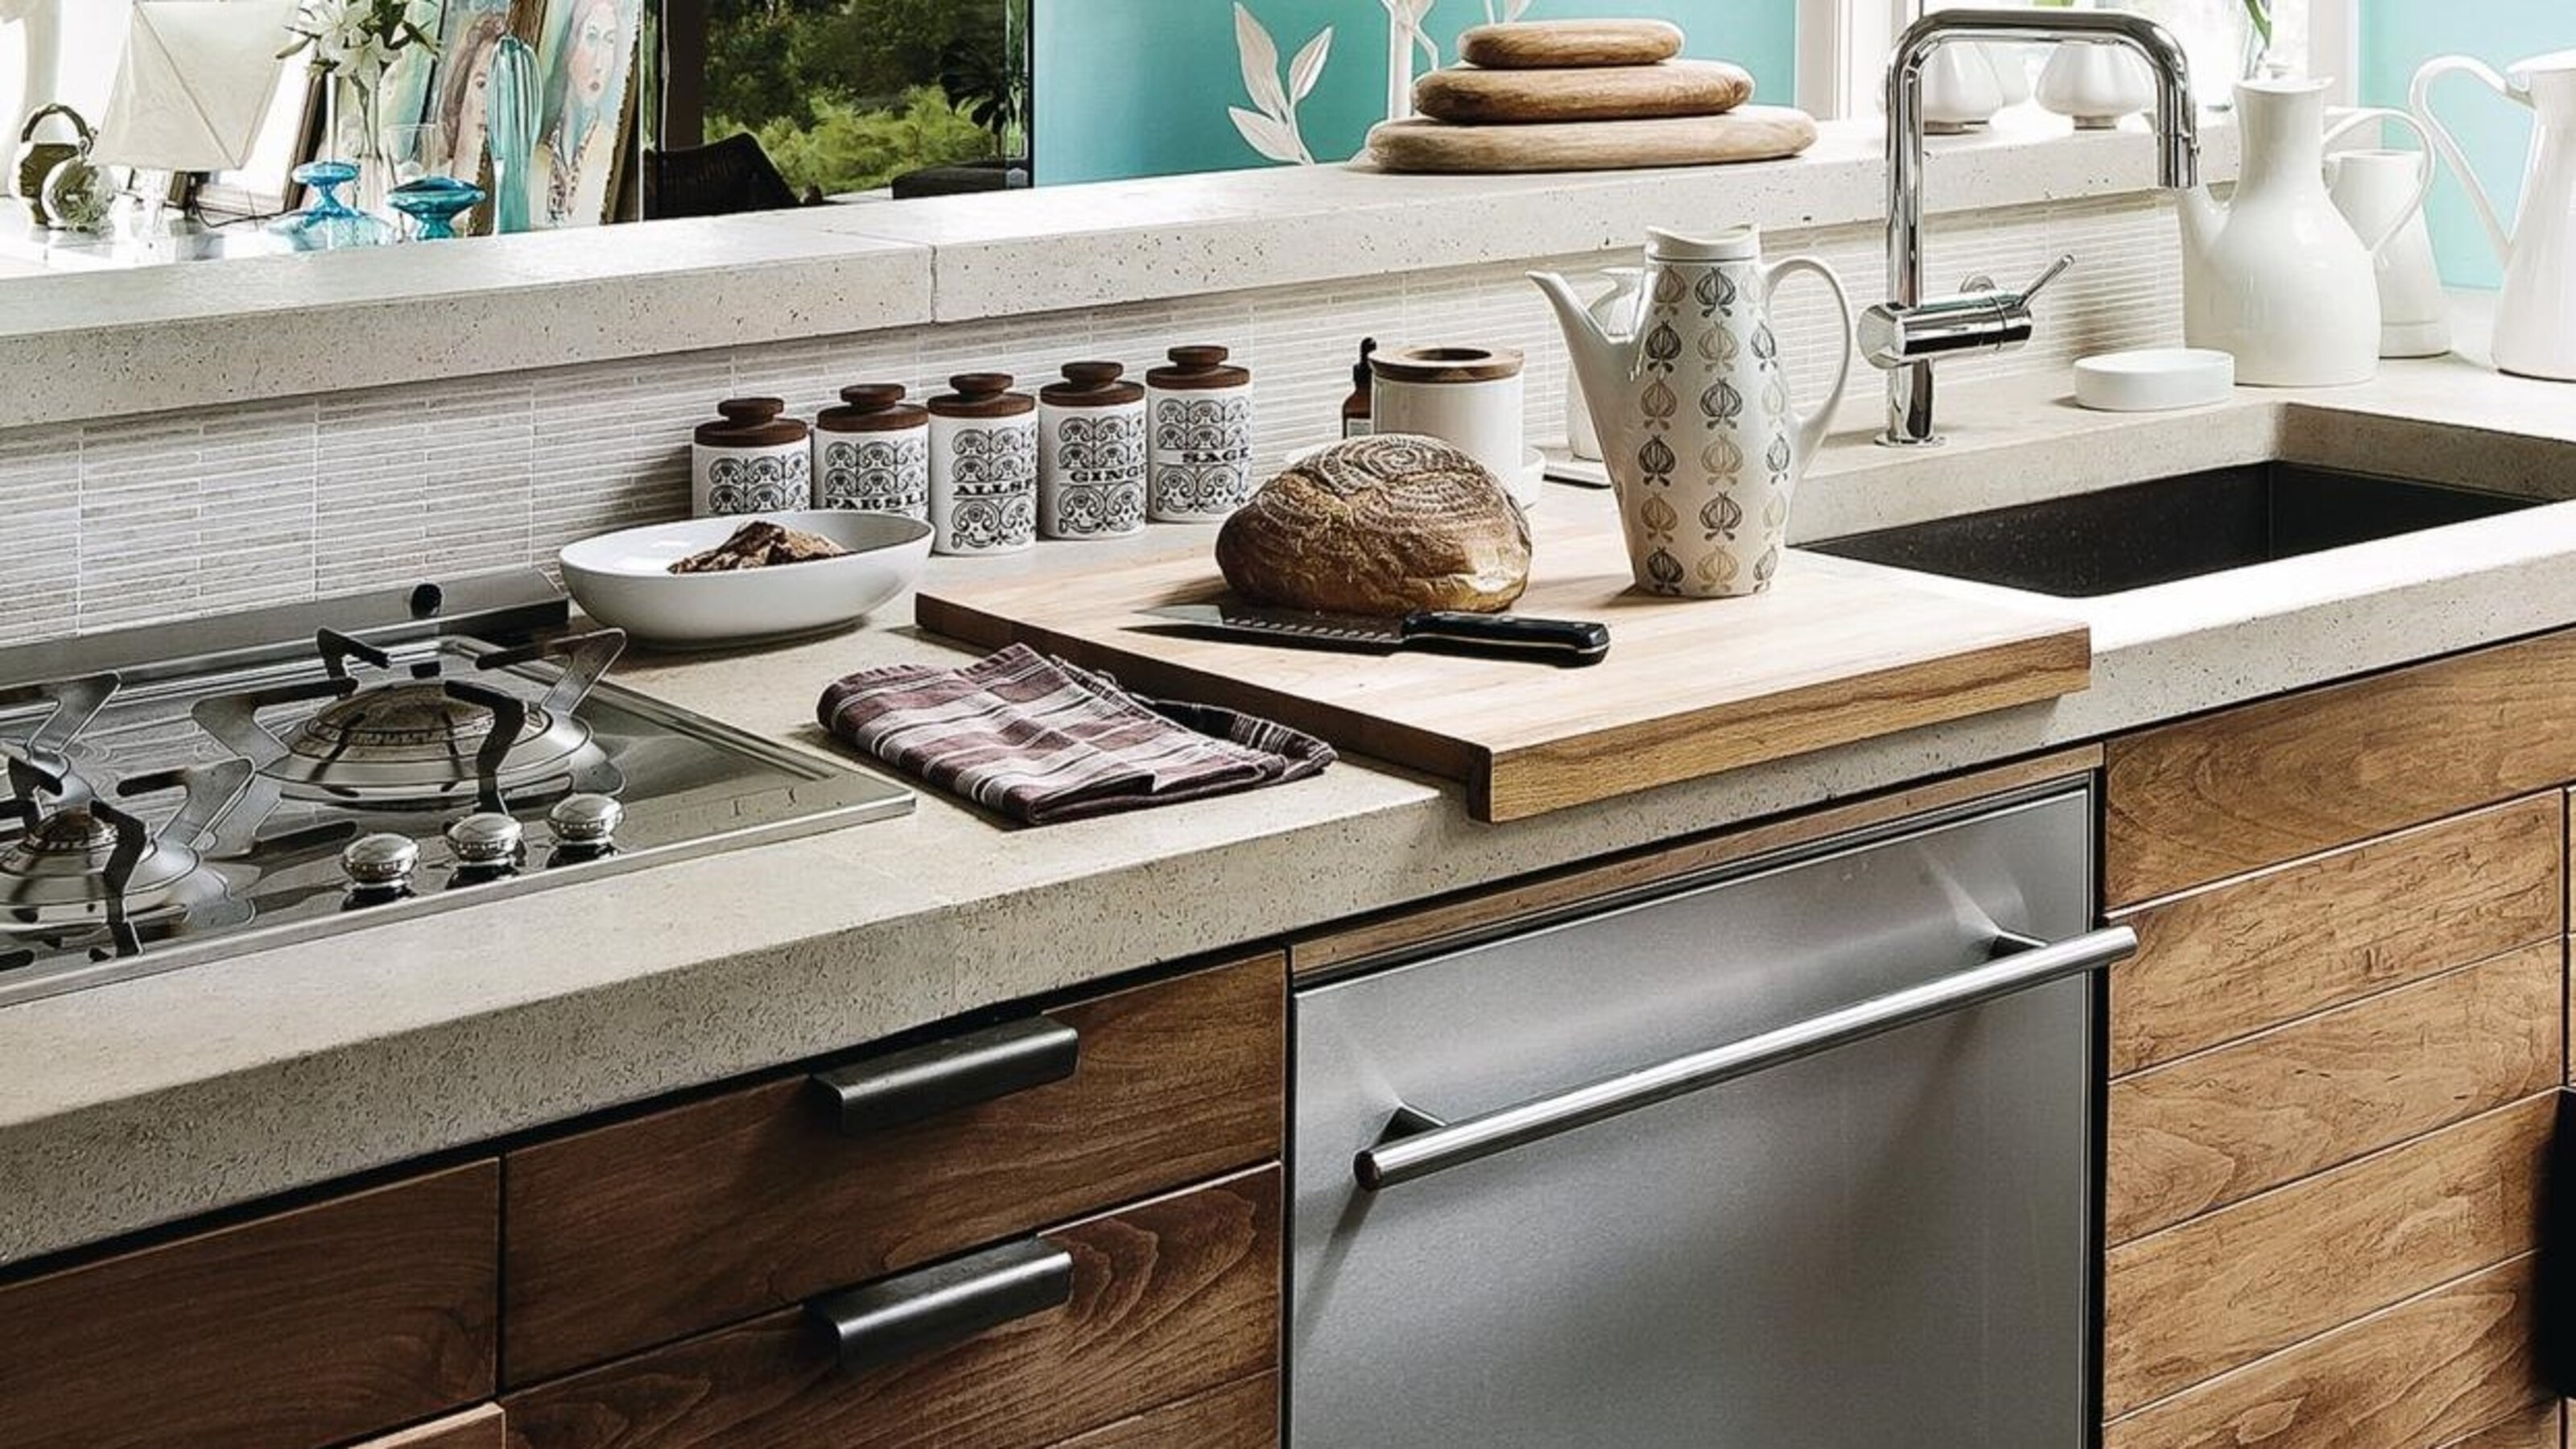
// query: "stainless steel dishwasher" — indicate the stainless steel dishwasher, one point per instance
point(1801, 1156)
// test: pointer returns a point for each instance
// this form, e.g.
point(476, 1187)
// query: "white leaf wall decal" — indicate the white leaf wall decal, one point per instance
point(1308, 67)
point(1275, 140)
point(1260, 64)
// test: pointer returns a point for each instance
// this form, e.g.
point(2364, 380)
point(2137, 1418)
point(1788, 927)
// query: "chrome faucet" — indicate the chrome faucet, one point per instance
point(1903, 335)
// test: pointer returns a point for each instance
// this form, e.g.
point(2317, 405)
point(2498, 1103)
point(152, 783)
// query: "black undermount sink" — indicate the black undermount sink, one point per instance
point(2107, 542)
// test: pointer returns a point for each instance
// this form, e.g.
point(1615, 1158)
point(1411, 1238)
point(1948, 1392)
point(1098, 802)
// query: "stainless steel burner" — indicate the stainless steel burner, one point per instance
point(424, 743)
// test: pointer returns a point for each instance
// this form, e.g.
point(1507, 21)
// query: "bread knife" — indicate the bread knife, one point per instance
point(1552, 641)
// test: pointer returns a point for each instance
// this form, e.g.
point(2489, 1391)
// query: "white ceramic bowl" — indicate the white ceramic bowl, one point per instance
point(625, 579)
point(2155, 380)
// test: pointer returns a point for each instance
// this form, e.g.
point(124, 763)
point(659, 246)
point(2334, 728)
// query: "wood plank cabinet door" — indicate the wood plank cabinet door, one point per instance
point(2249, 787)
point(700, 1215)
point(311, 1327)
point(481, 1427)
point(1242, 1415)
point(1167, 1299)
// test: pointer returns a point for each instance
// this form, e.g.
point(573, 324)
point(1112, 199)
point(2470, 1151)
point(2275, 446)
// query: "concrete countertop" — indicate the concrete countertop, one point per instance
point(150, 1100)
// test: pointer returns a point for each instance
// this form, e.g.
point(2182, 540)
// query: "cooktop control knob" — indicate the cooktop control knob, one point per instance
point(380, 863)
point(585, 824)
point(486, 841)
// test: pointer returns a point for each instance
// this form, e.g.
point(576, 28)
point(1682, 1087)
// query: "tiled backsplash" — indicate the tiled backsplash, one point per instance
point(139, 519)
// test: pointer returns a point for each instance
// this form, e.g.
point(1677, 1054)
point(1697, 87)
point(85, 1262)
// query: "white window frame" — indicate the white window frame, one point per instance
point(1843, 45)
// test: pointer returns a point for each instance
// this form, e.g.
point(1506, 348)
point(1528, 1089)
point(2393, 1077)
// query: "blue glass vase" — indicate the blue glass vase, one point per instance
point(330, 223)
point(433, 203)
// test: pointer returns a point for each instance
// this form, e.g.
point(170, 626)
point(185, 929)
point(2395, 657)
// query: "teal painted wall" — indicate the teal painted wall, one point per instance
point(1140, 87)
point(2399, 35)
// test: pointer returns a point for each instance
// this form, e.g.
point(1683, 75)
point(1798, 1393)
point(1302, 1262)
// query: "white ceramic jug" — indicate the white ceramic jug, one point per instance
point(2535, 317)
point(2377, 190)
point(1693, 411)
point(2276, 277)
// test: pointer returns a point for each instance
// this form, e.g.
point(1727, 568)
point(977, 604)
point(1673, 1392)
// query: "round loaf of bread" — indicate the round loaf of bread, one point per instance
point(1381, 525)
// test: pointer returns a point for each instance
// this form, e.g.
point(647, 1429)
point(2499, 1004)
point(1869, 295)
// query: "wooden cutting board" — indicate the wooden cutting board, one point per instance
point(1748, 133)
point(1838, 651)
point(1470, 96)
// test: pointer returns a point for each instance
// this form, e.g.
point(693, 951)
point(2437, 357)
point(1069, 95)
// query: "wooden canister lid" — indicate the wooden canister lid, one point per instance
point(872, 407)
point(1445, 364)
point(750, 422)
point(982, 395)
point(1091, 385)
point(1198, 367)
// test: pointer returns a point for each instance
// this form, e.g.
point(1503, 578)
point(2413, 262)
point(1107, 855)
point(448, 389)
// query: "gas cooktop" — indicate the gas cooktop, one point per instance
point(189, 791)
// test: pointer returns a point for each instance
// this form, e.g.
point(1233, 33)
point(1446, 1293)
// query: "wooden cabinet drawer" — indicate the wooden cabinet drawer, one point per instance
point(2219, 1127)
point(2253, 786)
point(1242, 1415)
point(2188, 1303)
point(476, 1428)
point(644, 1231)
point(1167, 1299)
point(2236, 958)
point(2425, 1372)
point(311, 1327)
point(2541, 1426)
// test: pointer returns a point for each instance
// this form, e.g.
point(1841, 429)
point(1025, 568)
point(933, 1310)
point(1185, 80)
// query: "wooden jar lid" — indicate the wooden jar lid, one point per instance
point(1198, 367)
point(1445, 364)
point(872, 407)
point(750, 422)
point(982, 395)
point(1091, 385)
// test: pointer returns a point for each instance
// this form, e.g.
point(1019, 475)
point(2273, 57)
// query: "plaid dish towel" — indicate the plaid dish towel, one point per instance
point(1039, 740)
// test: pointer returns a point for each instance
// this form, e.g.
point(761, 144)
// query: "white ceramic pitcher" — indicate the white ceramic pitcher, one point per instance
point(2535, 317)
point(1693, 411)
point(2276, 276)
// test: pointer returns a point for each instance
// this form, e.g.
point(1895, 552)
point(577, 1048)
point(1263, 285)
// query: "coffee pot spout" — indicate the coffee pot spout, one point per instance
point(1606, 361)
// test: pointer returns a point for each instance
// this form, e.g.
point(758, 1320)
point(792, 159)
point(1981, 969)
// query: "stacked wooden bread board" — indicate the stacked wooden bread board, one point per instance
point(1584, 95)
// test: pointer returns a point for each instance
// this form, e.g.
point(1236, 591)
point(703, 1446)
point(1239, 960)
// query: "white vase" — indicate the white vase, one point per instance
point(2096, 83)
point(1961, 91)
point(2381, 193)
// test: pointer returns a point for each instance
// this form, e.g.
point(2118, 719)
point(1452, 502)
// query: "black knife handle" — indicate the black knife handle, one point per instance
point(1558, 641)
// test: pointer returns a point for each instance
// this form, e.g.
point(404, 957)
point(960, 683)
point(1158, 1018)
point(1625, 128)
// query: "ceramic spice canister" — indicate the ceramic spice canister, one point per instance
point(1091, 454)
point(983, 466)
point(750, 460)
point(1199, 423)
point(872, 453)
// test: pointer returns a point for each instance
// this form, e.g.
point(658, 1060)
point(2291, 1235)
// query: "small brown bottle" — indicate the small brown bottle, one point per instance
point(1357, 407)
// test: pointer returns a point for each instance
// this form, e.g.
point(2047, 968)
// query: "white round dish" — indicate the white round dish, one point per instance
point(624, 579)
point(2154, 379)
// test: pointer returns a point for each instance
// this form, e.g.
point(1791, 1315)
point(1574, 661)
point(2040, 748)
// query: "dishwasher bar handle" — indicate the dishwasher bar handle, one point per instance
point(1420, 1144)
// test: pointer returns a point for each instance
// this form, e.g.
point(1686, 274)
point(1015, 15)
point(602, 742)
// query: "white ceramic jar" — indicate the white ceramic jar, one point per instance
point(1467, 397)
point(872, 453)
point(2095, 83)
point(1091, 454)
point(750, 460)
point(983, 466)
point(1198, 421)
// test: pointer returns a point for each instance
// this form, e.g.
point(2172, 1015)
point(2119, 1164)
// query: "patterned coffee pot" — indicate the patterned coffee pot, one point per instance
point(1693, 410)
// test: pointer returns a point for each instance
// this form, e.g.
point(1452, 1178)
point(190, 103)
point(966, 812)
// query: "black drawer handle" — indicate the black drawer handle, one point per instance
point(942, 1076)
point(941, 1306)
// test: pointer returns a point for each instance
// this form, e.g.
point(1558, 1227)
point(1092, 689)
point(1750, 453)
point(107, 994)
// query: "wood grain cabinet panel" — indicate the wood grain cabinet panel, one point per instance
point(1170, 1298)
point(2233, 959)
point(2424, 1372)
point(310, 1327)
point(2218, 1127)
point(704, 1214)
point(2193, 1301)
point(2541, 1426)
point(477, 1428)
point(2268, 782)
point(1242, 1415)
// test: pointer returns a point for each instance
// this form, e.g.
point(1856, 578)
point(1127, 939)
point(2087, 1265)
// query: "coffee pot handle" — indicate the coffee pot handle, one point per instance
point(2419, 101)
point(2424, 171)
point(1811, 425)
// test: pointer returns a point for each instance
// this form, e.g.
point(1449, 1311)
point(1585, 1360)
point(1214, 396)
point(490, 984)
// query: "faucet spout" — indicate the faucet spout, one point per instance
point(2177, 156)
